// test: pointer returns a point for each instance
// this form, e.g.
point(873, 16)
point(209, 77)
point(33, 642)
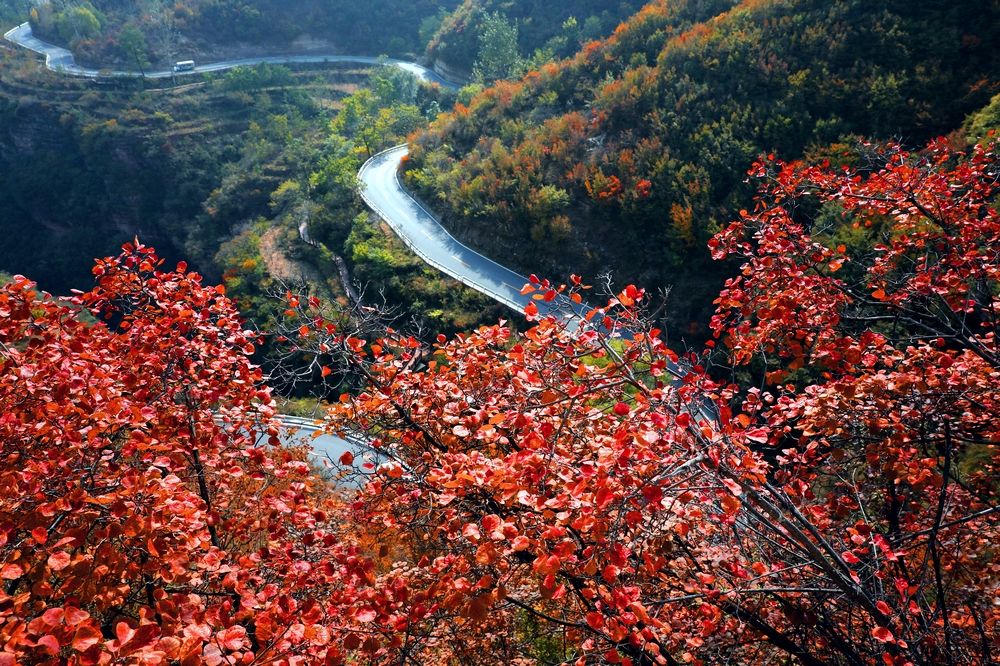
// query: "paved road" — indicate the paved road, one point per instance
point(59, 59)
point(421, 231)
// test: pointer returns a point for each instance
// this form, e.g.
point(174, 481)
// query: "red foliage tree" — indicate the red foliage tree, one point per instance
point(565, 495)
point(144, 518)
point(887, 434)
point(849, 518)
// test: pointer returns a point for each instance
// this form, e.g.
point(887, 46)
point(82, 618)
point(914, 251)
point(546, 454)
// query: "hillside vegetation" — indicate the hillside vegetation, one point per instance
point(224, 173)
point(102, 33)
point(630, 156)
point(555, 29)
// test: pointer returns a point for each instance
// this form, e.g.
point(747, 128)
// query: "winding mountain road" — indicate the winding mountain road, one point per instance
point(381, 189)
point(423, 234)
point(61, 60)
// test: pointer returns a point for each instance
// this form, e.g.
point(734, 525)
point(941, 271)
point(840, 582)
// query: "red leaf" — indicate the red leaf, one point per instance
point(595, 621)
point(49, 643)
point(883, 634)
point(123, 632)
point(491, 522)
point(733, 487)
point(140, 638)
point(86, 637)
point(11, 572)
point(53, 616)
point(653, 494)
point(604, 496)
point(234, 637)
point(75, 616)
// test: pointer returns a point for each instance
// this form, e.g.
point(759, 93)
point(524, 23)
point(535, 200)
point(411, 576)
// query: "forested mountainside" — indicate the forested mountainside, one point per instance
point(558, 29)
point(631, 155)
point(221, 173)
point(102, 33)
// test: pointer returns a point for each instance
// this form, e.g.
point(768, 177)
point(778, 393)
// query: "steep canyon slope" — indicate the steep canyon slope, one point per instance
point(627, 157)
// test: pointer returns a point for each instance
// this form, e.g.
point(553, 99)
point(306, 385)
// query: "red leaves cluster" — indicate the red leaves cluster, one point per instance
point(144, 518)
point(580, 475)
point(560, 474)
point(887, 434)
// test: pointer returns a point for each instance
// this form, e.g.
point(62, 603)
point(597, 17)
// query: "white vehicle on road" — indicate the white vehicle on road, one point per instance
point(184, 66)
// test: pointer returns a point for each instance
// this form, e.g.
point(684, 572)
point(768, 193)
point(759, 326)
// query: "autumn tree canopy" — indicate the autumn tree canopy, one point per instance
point(145, 515)
point(630, 510)
point(573, 494)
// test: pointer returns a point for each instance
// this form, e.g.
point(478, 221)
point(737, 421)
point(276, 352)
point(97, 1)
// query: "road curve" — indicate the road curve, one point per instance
point(61, 60)
point(422, 233)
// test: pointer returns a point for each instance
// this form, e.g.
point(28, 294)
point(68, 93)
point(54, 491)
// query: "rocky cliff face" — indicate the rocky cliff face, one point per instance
point(71, 191)
point(451, 73)
point(58, 171)
point(30, 126)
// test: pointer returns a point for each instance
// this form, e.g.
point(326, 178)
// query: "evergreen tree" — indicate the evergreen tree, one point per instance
point(133, 46)
point(498, 55)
